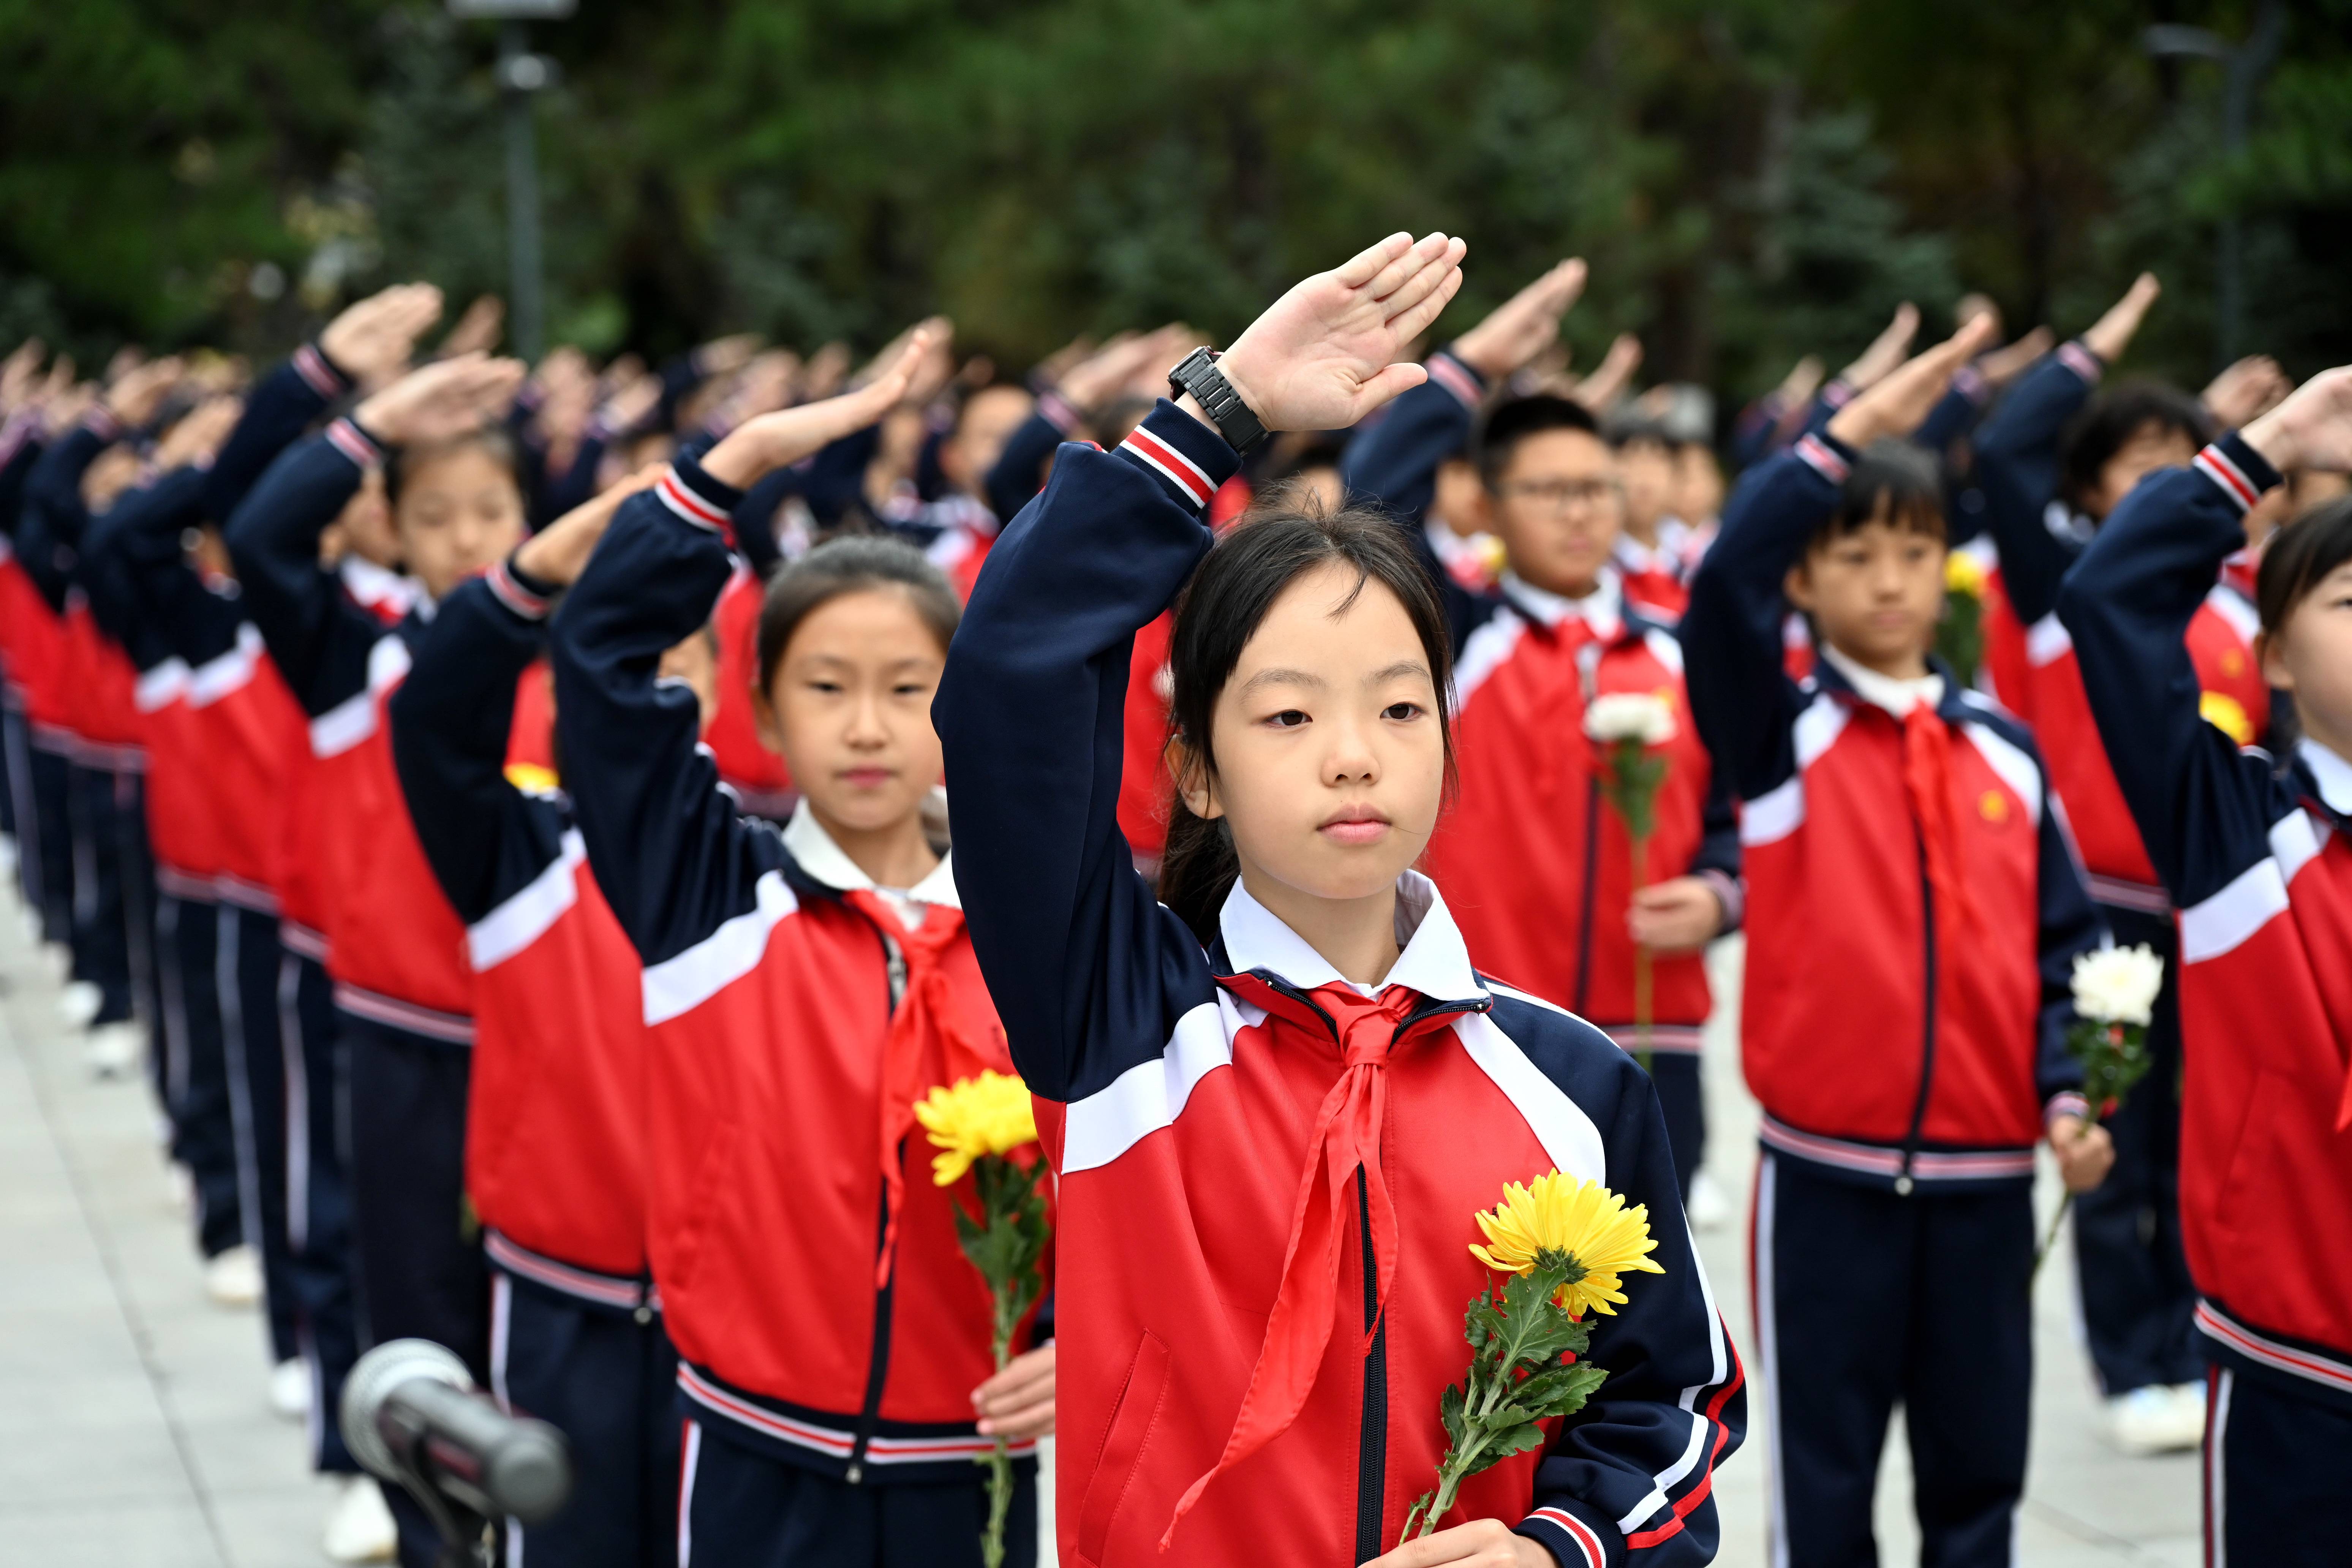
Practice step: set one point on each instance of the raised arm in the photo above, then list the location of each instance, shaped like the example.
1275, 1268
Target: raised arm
673, 858
2203, 808
1086, 967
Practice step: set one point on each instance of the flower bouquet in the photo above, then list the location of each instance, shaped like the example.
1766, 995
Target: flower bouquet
1959, 632
1628, 728
979, 1125
2115, 996
1563, 1243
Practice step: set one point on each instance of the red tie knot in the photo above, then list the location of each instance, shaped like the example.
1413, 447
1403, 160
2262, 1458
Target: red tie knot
1367, 1026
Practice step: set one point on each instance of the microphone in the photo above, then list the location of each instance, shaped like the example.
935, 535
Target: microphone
411, 1414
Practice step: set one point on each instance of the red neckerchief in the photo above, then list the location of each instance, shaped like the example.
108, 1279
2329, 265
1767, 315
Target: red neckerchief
1927, 783
1346, 1142
928, 1008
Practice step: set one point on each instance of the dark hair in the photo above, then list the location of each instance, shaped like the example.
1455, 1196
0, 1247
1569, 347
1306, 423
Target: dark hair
2298, 558
851, 563
1221, 609
1900, 476
2114, 417
402, 463
1639, 431
1513, 422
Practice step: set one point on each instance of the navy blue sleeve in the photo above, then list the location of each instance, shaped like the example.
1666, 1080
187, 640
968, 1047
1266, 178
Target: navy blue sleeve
2017, 454
450, 720
136, 547
1955, 413
1740, 692
1020, 470
1717, 859
556, 494
836, 477
49, 526
754, 517
21, 446
285, 403
1394, 461
1088, 970
672, 856
2204, 808
315, 635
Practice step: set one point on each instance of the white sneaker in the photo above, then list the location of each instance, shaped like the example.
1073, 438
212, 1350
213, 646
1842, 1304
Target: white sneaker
233, 1279
114, 1050
1709, 1209
79, 1003
359, 1524
2155, 1420
290, 1388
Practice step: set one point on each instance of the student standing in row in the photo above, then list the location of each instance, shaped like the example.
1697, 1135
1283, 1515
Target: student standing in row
2256, 858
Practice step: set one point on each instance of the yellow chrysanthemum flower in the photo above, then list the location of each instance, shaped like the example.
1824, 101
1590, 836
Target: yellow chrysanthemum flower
532, 779
1556, 1214
1964, 574
991, 1114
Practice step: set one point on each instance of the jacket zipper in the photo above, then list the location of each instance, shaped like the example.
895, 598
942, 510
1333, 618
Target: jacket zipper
1372, 1434
1903, 1182
878, 1369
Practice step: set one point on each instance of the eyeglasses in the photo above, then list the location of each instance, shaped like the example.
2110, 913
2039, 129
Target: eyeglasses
1560, 495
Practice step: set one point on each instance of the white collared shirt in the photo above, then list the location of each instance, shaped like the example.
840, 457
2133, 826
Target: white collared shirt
821, 858
1603, 609
1897, 697
1432, 960
2330, 771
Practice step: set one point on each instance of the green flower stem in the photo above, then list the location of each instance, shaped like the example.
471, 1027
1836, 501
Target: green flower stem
999, 1462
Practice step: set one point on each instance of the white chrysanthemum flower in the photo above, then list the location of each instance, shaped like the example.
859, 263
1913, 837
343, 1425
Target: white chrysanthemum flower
1629, 716
2117, 984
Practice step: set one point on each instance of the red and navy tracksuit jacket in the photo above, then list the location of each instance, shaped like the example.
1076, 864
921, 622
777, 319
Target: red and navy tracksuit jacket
2031, 658
555, 1130
1529, 832
80, 699
2257, 861
1177, 1093
395, 948
822, 1307
1914, 904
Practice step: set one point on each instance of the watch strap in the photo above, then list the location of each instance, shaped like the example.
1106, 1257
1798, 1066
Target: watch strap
1198, 374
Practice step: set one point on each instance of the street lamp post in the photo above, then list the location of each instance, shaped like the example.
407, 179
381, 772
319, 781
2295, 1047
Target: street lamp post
520, 75
2244, 66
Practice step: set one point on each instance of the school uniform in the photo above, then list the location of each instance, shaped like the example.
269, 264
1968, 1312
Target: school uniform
1915, 909
555, 1134
1536, 866
402, 995
2137, 1295
2255, 858
829, 1329
27, 638
1176, 1094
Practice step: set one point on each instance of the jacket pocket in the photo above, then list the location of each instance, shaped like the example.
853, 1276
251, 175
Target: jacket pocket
1131, 1420
709, 1189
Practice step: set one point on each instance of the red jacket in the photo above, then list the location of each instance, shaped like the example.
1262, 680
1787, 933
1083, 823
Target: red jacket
1916, 907
2258, 860
1179, 1092
756, 774
794, 1020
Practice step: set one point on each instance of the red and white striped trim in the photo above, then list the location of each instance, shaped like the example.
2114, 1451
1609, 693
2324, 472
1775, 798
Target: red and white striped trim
251, 897
1878, 1159
352, 442
1678, 1039
835, 1441
1057, 412
2080, 360
452, 1027
100, 422
2066, 1104
1188, 477
679, 499
174, 882
301, 941
2118, 893
510, 592
2325, 1371
1576, 1529
605, 1290
1456, 377
1823, 459
1838, 394
1969, 382
316, 372
2216, 465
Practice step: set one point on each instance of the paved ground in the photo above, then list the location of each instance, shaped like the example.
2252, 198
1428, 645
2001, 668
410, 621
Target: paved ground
134, 1432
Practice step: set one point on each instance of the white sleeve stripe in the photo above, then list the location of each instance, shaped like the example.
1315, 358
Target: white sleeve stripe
1150, 1095
679, 984
532, 911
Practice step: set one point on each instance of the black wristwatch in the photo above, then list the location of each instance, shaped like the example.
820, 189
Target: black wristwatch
1199, 376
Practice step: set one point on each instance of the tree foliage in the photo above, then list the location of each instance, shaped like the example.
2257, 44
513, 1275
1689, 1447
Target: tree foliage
1751, 179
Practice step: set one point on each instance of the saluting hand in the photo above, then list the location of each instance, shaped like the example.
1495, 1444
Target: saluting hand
2313, 429
1897, 404
788, 434
1324, 355
371, 340
1524, 325
446, 399
559, 552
